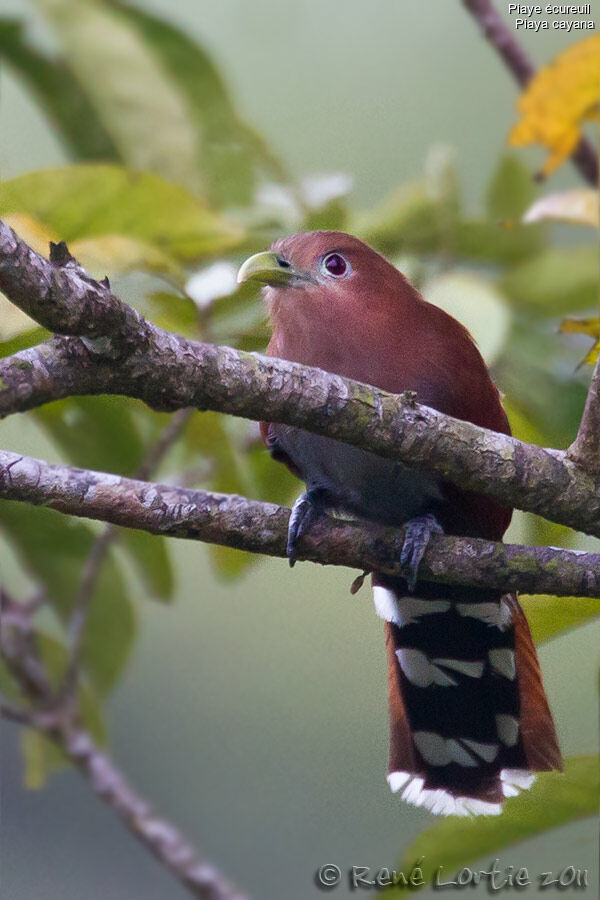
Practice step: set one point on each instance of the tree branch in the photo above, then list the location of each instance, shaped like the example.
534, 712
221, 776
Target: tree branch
100, 548
585, 449
160, 836
56, 719
262, 528
168, 372
16, 714
493, 26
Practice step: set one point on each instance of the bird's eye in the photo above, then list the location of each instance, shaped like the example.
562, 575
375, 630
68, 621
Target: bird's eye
335, 264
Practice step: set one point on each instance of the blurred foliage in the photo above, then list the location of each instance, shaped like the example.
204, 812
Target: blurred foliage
42, 756
578, 206
589, 327
128, 220
558, 100
554, 800
167, 190
549, 617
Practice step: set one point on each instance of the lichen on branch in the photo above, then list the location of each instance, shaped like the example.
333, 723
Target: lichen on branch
123, 353
262, 528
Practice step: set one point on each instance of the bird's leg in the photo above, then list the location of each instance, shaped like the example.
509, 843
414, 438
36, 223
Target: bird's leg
418, 534
307, 508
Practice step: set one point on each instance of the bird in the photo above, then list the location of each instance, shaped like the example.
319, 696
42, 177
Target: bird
470, 723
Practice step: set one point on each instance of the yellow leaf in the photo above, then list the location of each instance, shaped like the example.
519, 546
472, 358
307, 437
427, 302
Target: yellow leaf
578, 207
110, 253
558, 100
591, 358
590, 327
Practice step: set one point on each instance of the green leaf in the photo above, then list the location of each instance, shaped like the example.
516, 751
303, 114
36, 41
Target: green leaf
94, 432
42, 756
253, 340
229, 154
540, 384
413, 221
274, 481
172, 312
51, 546
497, 242
476, 303
101, 433
13, 322
409, 221
59, 94
511, 190
111, 629
120, 253
521, 425
207, 434
332, 216
41, 759
9, 688
150, 554
93, 200
23, 341
555, 799
54, 548
241, 302
419, 216
229, 562
239, 319
132, 94
550, 616
556, 281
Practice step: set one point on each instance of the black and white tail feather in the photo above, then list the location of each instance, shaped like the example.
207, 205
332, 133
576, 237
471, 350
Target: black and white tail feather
469, 721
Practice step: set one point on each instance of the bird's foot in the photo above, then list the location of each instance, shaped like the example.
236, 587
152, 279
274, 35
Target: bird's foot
418, 535
307, 508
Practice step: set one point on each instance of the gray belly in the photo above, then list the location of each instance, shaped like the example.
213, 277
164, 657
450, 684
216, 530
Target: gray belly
357, 481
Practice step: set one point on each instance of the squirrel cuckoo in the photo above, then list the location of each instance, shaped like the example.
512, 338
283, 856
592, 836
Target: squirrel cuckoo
469, 719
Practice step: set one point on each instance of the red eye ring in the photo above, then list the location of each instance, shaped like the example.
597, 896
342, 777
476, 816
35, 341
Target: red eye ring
334, 264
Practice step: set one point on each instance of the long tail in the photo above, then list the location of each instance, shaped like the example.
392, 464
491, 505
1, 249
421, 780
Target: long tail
469, 719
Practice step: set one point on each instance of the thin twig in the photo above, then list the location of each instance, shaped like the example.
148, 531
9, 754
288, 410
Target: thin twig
167, 438
78, 619
100, 548
17, 714
201, 878
20, 652
262, 528
502, 39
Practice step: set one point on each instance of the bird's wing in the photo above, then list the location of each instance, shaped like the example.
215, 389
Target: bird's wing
268, 435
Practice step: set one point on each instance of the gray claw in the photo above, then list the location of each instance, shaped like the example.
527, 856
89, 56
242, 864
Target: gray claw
418, 534
304, 512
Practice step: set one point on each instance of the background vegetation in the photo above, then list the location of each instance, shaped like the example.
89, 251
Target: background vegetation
248, 701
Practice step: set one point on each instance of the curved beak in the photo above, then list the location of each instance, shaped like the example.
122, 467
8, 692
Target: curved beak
268, 268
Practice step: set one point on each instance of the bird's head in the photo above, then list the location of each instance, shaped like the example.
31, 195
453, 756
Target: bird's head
333, 267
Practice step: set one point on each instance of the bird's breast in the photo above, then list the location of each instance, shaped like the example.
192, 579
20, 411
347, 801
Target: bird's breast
357, 481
